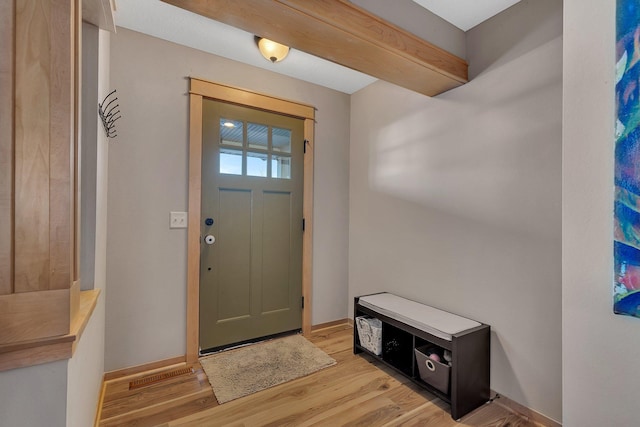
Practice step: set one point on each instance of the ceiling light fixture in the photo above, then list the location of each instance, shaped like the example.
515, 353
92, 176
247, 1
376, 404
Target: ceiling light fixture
272, 51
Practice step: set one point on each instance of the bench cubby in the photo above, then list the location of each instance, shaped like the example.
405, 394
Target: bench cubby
469, 349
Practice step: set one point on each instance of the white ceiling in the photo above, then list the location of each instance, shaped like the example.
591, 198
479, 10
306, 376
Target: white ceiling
171, 23
466, 14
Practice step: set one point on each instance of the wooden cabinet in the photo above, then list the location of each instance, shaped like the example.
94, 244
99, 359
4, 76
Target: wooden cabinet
470, 358
39, 283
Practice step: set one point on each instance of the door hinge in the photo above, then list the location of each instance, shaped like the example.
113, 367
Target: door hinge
304, 145
303, 224
302, 302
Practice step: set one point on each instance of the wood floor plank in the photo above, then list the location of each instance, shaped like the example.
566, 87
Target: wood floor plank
426, 415
334, 410
358, 390
162, 415
308, 395
140, 415
152, 395
320, 409
323, 336
494, 415
336, 343
118, 389
375, 409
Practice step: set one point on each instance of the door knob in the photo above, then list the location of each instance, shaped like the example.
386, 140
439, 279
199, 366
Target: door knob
209, 239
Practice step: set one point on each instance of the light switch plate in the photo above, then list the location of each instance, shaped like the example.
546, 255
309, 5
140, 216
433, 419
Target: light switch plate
178, 220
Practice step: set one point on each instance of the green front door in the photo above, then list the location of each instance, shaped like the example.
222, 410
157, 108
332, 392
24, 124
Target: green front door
251, 230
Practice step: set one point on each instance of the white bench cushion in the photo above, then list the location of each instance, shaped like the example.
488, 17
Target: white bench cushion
440, 323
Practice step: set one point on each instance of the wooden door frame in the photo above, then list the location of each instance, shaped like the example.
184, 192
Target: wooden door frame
199, 90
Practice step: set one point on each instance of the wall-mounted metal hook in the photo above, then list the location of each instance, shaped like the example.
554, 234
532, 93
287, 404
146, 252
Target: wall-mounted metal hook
108, 115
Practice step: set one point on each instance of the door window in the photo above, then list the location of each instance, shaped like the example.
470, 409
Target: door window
254, 149
258, 136
230, 161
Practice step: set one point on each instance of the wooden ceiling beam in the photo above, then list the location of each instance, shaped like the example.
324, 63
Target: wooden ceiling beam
341, 32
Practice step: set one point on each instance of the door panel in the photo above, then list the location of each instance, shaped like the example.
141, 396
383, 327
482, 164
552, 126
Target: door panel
234, 234
252, 181
276, 251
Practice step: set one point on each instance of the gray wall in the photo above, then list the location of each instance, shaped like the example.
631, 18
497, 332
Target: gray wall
456, 200
415, 19
85, 370
34, 396
600, 349
146, 261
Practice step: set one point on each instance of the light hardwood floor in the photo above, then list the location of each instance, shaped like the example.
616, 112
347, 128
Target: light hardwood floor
357, 391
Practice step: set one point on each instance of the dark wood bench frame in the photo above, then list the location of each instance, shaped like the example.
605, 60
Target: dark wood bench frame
470, 365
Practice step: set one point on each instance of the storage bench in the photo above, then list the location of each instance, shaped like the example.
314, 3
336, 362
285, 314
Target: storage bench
408, 325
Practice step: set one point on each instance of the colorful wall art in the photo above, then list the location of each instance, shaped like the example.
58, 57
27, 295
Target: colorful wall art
627, 160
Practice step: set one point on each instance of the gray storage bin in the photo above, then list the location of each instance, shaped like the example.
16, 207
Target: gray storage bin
431, 372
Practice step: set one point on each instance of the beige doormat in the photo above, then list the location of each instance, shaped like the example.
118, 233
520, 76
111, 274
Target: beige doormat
246, 370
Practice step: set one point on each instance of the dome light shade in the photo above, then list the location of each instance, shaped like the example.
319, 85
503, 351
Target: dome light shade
272, 51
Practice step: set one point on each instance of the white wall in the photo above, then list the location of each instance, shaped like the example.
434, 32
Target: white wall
601, 350
146, 261
456, 200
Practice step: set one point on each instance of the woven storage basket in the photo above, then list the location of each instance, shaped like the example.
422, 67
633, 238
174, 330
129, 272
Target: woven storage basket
370, 334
